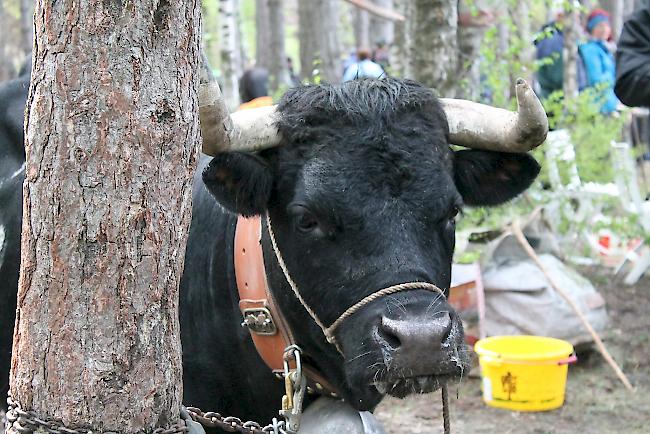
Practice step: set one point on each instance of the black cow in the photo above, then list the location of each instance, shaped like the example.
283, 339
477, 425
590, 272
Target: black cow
363, 192
13, 95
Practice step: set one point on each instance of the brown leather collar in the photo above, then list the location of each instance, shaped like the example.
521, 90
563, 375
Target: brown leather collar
268, 327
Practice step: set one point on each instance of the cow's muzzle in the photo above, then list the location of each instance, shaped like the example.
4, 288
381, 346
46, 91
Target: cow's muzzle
421, 349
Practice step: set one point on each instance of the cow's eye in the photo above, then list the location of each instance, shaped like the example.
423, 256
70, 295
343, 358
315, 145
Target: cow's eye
303, 219
453, 214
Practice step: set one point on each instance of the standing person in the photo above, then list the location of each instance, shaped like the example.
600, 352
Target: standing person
549, 43
293, 77
598, 60
633, 61
253, 89
381, 55
364, 67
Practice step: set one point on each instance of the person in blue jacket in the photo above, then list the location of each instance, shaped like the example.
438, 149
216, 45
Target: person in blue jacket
599, 62
363, 68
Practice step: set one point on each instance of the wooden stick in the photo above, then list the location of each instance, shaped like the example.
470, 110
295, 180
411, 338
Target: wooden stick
516, 230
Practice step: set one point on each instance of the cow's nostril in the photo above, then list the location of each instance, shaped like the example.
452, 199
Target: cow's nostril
388, 331
445, 326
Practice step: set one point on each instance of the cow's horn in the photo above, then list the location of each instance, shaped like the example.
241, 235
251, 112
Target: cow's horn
245, 131
479, 126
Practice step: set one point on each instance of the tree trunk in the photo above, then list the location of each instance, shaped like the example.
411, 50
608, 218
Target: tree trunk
241, 43
307, 45
112, 142
231, 53
382, 30
401, 64
329, 47
503, 42
361, 28
262, 34
278, 72
525, 56
26, 25
6, 71
318, 21
435, 50
570, 52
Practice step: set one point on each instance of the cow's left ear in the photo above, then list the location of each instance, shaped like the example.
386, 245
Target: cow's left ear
240, 182
486, 178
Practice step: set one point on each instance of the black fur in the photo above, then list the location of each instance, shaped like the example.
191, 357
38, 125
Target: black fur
240, 182
487, 178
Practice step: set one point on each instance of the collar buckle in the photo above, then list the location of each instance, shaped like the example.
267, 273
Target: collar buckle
259, 321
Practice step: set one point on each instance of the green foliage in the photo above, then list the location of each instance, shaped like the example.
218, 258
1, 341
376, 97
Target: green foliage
591, 134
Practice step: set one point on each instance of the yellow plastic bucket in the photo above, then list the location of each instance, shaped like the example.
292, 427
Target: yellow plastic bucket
524, 373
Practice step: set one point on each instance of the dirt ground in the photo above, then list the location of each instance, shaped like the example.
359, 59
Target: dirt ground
596, 401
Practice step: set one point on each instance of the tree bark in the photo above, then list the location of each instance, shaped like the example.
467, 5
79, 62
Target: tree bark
27, 25
382, 30
278, 71
231, 51
112, 142
5, 65
307, 45
401, 64
262, 34
525, 56
361, 22
318, 23
570, 52
503, 36
435, 49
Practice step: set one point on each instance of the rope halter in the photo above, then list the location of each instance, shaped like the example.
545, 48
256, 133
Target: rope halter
330, 331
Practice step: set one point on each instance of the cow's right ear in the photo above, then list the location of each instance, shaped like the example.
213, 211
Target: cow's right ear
240, 182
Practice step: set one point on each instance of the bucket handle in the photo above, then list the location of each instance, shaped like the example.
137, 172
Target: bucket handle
569, 360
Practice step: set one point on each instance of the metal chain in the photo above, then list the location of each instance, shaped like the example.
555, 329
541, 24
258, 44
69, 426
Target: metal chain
27, 422
234, 424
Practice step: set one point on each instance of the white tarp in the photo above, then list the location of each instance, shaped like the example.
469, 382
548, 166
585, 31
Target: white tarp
519, 299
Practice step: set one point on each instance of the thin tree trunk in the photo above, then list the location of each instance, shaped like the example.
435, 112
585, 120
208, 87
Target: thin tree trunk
570, 52
279, 74
361, 28
382, 30
503, 36
318, 23
26, 25
262, 34
112, 142
6, 71
329, 47
401, 64
231, 61
435, 49
526, 56
307, 15
243, 59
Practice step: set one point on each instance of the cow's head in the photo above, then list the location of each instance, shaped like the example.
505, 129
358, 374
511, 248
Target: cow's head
362, 192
